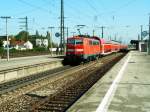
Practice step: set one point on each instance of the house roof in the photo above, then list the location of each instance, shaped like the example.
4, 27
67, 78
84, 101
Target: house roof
28, 43
19, 43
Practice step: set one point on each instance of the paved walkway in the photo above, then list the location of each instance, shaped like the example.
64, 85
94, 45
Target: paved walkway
25, 61
125, 88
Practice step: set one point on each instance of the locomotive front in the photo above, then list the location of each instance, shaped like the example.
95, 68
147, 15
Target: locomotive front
74, 50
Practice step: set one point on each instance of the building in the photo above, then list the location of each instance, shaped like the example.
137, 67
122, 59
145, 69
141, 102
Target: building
42, 42
5, 43
28, 45
22, 45
135, 44
143, 46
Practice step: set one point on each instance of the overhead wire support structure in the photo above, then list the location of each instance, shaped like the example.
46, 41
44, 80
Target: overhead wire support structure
102, 31
102, 27
141, 32
25, 25
62, 33
67, 32
6, 18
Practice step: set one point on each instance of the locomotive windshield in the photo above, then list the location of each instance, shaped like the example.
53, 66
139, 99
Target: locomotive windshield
78, 42
71, 41
75, 41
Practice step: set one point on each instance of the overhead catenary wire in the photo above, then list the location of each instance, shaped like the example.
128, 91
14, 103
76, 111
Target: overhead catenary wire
31, 5
92, 7
78, 13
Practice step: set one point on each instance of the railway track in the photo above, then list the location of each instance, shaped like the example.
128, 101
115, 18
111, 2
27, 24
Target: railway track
18, 83
62, 100
68, 85
21, 82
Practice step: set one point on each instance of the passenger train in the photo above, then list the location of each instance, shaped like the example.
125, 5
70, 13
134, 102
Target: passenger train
84, 48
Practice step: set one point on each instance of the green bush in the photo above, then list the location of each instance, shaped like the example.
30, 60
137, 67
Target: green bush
1, 49
18, 53
13, 50
1, 43
40, 49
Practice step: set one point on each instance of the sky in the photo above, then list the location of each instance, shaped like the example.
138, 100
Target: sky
121, 18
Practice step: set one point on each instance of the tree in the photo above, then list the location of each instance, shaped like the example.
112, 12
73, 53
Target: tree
48, 36
37, 34
23, 35
1, 43
12, 41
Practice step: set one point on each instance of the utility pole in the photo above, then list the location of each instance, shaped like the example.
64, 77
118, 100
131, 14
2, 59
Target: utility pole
102, 31
149, 38
102, 27
93, 33
50, 39
6, 18
67, 32
62, 36
141, 32
25, 25
138, 37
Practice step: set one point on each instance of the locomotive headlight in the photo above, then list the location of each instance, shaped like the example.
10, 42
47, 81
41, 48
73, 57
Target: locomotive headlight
70, 50
79, 50
75, 50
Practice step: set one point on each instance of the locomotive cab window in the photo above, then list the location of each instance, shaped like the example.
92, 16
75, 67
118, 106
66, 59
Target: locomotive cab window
78, 41
71, 41
75, 42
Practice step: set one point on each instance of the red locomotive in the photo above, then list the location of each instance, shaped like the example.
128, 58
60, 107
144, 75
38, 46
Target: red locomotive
85, 48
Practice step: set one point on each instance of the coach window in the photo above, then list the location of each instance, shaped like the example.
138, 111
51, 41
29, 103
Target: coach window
95, 43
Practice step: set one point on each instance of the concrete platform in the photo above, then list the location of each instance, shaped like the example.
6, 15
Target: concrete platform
22, 67
26, 61
125, 88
